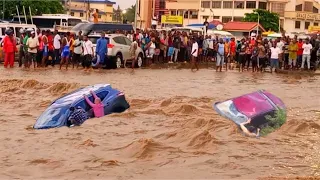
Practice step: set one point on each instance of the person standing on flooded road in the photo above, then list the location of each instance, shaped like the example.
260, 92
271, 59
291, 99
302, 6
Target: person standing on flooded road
275, 55
32, 44
9, 48
87, 52
21, 51
57, 46
194, 55
306, 56
101, 50
220, 55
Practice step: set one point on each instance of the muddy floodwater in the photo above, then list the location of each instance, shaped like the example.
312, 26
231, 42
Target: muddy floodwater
170, 132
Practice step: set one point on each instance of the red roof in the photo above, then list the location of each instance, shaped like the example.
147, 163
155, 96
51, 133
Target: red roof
241, 26
215, 22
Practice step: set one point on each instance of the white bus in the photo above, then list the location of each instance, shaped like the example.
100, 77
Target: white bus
61, 22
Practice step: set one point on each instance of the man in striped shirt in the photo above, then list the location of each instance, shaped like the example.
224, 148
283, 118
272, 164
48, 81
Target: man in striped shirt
78, 116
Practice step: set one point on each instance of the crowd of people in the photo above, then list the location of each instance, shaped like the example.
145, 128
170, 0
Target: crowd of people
252, 53
43, 49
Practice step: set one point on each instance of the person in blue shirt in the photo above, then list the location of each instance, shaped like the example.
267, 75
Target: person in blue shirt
101, 50
220, 55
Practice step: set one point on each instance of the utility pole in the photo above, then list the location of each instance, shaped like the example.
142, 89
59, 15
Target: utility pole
70, 7
136, 16
3, 4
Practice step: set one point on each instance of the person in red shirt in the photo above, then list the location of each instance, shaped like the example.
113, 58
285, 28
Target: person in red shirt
9, 48
300, 51
232, 52
50, 48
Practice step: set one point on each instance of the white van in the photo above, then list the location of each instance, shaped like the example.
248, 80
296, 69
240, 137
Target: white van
15, 28
191, 30
16, 31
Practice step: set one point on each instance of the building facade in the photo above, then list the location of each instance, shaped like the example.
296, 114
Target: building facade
295, 15
82, 8
149, 10
301, 14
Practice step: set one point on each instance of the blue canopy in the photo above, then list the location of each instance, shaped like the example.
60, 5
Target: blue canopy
211, 26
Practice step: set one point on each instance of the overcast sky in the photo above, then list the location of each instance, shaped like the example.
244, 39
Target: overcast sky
124, 4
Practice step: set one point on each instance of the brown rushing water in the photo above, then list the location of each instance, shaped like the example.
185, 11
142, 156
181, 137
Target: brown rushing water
170, 131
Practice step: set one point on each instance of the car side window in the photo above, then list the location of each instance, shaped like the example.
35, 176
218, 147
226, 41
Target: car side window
120, 40
127, 41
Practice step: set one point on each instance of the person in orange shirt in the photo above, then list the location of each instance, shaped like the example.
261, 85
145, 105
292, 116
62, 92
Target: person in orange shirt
9, 48
96, 16
227, 52
232, 52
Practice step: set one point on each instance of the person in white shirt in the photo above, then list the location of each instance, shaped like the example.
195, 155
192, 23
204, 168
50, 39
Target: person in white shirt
280, 45
307, 47
32, 44
87, 52
274, 58
194, 55
77, 51
57, 46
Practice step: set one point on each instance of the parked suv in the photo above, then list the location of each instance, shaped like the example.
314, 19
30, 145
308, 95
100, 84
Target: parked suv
118, 49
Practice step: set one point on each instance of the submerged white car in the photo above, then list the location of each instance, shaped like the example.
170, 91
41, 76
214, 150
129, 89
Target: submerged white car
118, 49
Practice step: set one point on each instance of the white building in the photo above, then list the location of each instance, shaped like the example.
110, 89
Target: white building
295, 15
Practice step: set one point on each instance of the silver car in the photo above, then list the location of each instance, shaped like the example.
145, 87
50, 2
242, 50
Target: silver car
119, 49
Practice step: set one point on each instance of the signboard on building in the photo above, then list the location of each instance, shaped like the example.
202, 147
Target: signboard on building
313, 28
311, 16
171, 19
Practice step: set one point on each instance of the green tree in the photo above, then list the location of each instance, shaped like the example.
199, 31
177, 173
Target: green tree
130, 13
38, 7
268, 20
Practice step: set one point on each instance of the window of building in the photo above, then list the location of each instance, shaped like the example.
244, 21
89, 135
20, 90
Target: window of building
237, 18
299, 7
297, 25
216, 4
316, 24
306, 25
180, 13
216, 17
250, 4
99, 16
262, 5
205, 17
205, 4
162, 4
278, 8
72, 13
226, 19
186, 15
308, 6
315, 10
239, 4
173, 12
227, 4
193, 14
81, 14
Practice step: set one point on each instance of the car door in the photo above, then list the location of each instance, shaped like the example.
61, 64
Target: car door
122, 46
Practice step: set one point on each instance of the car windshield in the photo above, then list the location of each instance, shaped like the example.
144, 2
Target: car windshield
73, 22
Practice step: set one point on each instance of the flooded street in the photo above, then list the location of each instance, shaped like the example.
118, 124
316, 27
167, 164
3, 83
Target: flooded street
170, 132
